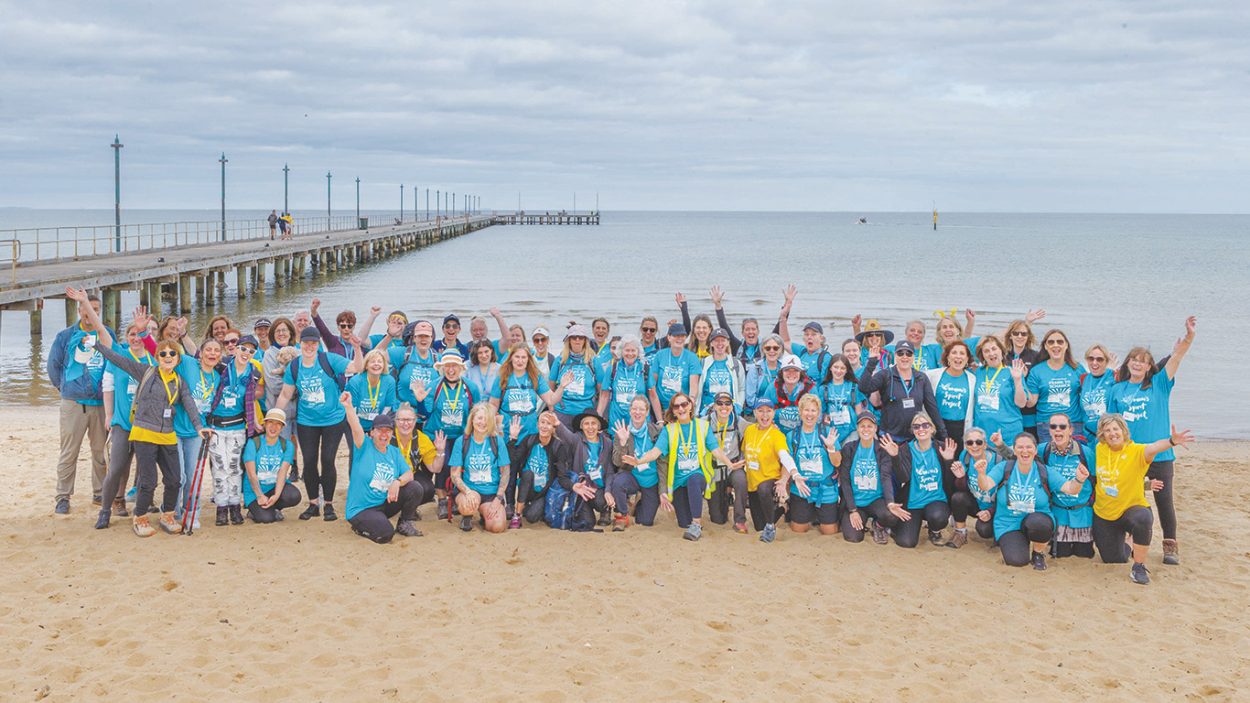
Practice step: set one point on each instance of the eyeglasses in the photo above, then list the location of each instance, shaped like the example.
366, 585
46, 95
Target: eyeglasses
650, 329
1053, 426
167, 353
681, 405
974, 442
922, 426
406, 420
724, 403
772, 348
230, 342
249, 349
1096, 358
1019, 333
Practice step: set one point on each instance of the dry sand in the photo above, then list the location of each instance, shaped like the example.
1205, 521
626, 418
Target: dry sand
310, 612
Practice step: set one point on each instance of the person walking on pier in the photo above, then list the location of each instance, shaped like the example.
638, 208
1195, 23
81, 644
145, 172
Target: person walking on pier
273, 224
76, 369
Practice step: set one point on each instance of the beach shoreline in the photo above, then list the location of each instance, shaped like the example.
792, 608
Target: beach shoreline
310, 611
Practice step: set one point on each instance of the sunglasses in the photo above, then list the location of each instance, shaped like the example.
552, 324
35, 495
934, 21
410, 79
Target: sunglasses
1096, 358
724, 403
922, 426
249, 349
451, 326
167, 353
772, 348
1053, 426
230, 342
974, 442
681, 405
650, 329
1019, 333
1056, 342
904, 353
345, 325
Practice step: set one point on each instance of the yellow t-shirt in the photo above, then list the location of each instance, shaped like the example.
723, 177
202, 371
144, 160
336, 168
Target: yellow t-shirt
139, 434
425, 449
762, 451
1121, 480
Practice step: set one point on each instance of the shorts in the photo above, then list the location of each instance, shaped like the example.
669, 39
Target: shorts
803, 511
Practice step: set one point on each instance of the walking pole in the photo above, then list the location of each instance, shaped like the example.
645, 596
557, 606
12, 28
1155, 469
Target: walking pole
192, 508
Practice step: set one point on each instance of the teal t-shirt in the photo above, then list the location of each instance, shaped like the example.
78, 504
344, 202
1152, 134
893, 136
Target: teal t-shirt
318, 393
268, 459
372, 474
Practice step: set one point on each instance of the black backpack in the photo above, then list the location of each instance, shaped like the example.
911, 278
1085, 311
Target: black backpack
339, 380
1080, 453
1038, 466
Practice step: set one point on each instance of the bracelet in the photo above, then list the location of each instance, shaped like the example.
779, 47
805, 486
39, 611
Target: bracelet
1170, 442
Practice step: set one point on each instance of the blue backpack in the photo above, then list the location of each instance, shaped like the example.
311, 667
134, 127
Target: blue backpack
561, 504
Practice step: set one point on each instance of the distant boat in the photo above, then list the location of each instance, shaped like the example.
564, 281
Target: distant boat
862, 221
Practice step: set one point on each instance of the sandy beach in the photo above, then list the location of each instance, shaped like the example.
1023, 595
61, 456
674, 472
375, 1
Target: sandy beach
308, 611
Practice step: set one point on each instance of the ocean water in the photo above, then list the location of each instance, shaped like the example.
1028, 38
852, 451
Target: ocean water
1123, 280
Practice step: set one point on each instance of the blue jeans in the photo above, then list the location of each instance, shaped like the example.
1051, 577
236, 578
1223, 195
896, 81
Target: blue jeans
188, 452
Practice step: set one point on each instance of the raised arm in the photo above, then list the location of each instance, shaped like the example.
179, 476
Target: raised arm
362, 330
353, 421
84, 306
1176, 439
718, 298
783, 320
503, 325
1182, 347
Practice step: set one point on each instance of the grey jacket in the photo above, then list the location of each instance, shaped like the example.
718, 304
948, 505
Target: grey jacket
152, 398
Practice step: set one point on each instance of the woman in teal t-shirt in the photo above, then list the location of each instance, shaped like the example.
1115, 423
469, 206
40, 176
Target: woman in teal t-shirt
267, 461
479, 471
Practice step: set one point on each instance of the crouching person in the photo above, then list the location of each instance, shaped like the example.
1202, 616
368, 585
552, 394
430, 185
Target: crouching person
267, 460
381, 481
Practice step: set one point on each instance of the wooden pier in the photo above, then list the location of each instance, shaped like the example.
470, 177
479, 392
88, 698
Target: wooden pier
194, 273
549, 218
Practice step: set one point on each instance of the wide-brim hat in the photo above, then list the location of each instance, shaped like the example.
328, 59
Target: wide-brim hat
449, 357
874, 327
577, 421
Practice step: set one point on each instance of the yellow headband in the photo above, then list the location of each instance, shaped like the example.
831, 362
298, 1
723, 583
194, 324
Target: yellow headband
940, 314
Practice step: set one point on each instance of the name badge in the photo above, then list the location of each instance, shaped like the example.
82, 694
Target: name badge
909, 403
169, 412
865, 483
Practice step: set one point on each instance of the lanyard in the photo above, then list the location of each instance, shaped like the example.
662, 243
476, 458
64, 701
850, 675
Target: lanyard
907, 386
373, 392
171, 396
454, 403
145, 360
989, 382
814, 444
685, 443
721, 429
204, 383
405, 448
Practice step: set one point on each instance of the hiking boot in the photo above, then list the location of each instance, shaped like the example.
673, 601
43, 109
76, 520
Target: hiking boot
416, 515
769, 534
119, 507
62, 506
515, 522
466, 523
620, 523
1039, 561
102, 521
97, 499
310, 512
169, 524
740, 528
328, 514
958, 539
141, 526
1171, 552
407, 529
605, 519
935, 538
442, 509
880, 535
694, 532
1140, 574
278, 516
223, 517
236, 515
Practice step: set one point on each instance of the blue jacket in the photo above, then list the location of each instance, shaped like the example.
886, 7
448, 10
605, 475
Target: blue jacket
74, 372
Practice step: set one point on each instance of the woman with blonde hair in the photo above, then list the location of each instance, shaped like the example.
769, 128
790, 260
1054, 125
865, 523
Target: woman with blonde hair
479, 471
574, 371
1120, 507
518, 391
1096, 384
1022, 346
374, 391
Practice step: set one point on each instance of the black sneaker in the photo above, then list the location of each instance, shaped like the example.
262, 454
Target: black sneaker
328, 513
935, 538
97, 500
1140, 574
605, 519
407, 529
236, 515
62, 506
466, 523
223, 517
102, 522
880, 535
442, 508
278, 516
310, 512
1039, 561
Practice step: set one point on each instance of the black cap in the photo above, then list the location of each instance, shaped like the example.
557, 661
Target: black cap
450, 317
677, 330
384, 421
865, 415
813, 325
904, 346
249, 339
310, 334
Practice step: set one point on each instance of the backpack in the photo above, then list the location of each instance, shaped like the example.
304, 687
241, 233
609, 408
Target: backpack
256, 444
646, 373
464, 449
1011, 467
468, 394
560, 506
324, 360
1080, 454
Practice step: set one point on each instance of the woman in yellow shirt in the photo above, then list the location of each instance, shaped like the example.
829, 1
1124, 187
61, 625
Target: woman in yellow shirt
765, 450
1120, 507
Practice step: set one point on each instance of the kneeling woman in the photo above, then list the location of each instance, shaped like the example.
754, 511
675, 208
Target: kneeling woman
1023, 524
536, 459
267, 462
479, 471
643, 480
426, 458
1120, 507
589, 472
968, 499
690, 445
814, 486
152, 425
381, 482
864, 472
919, 475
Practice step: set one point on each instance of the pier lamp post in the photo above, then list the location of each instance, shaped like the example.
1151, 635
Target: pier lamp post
328, 214
401, 203
117, 192
286, 204
357, 199
223, 160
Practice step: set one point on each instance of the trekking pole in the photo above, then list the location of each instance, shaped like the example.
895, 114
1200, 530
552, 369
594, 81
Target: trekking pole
192, 508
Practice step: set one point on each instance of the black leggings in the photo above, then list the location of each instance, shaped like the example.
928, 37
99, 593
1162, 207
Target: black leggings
595, 506
963, 506
937, 513
1015, 545
375, 523
532, 502
289, 498
876, 510
320, 443
763, 501
147, 457
718, 505
1109, 535
1164, 471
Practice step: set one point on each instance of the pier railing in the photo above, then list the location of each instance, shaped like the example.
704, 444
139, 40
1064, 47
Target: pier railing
53, 243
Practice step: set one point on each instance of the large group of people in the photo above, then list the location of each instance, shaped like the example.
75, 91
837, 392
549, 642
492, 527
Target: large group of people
1048, 453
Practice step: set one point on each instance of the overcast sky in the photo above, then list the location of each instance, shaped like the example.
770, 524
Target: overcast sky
779, 105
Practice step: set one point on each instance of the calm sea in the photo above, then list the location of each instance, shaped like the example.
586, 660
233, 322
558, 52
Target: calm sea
1123, 280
